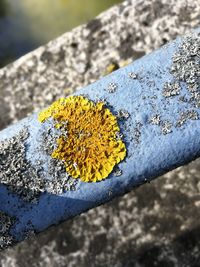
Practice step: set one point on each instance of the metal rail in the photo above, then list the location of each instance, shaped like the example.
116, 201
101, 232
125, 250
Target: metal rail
156, 101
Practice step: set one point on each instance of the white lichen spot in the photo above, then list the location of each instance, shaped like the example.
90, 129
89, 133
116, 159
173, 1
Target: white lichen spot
112, 87
155, 120
166, 127
133, 75
122, 114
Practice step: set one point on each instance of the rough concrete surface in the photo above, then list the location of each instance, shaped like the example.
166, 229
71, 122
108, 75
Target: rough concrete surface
156, 224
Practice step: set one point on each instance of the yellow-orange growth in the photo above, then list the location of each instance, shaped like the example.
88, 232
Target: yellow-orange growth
90, 150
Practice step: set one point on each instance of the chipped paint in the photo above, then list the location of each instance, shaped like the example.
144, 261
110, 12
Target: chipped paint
91, 148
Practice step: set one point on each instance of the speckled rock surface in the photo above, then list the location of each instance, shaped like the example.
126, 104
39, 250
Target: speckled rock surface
155, 225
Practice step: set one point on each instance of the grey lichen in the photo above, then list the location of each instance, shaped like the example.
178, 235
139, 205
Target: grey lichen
117, 171
137, 132
26, 180
122, 114
112, 87
186, 65
155, 120
166, 127
185, 68
187, 115
171, 89
102, 100
195, 99
133, 75
119, 136
16, 172
60, 180
49, 137
5, 224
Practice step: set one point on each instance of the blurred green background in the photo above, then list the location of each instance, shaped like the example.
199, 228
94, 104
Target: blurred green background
27, 24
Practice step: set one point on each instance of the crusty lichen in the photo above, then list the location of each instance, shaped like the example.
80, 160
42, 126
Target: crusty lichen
87, 144
27, 180
16, 171
5, 224
184, 86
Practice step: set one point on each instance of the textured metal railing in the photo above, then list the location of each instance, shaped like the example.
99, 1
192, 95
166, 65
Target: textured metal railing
156, 103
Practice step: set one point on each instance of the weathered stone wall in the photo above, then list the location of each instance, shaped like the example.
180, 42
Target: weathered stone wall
155, 225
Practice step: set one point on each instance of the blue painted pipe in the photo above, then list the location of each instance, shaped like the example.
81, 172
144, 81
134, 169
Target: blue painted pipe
157, 101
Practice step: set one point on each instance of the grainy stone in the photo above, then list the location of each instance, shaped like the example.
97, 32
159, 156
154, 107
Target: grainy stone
59, 68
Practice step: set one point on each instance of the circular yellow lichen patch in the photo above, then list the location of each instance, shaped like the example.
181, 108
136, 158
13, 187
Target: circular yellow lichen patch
89, 148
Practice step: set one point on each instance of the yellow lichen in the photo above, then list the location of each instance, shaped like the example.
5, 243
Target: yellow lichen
111, 67
90, 150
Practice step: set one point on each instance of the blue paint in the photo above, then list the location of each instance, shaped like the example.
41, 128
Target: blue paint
154, 155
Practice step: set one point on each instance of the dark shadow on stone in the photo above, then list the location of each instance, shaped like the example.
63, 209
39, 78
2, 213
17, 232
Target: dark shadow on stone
182, 251
51, 209
126, 51
4, 115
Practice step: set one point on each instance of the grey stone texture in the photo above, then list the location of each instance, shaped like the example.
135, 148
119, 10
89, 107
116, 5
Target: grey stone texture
155, 225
